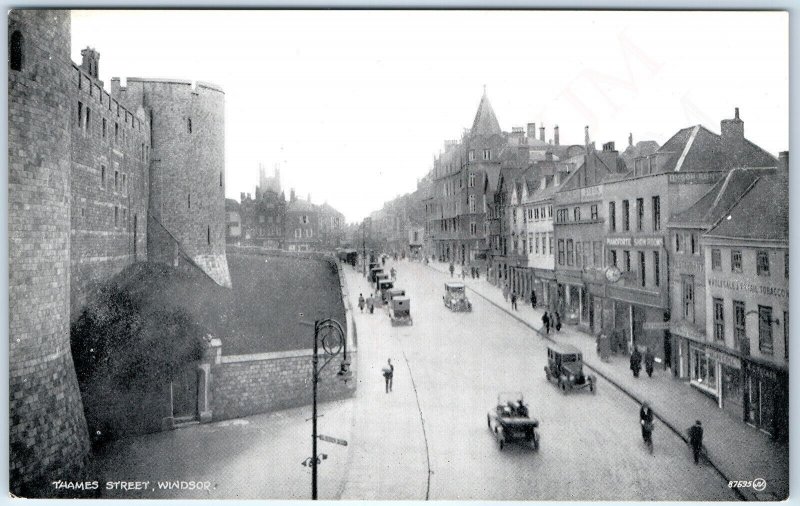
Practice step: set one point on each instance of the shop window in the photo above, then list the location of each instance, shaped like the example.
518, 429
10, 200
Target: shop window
762, 263
719, 319
16, 50
736, 261
703, 369
716, 260
765, 329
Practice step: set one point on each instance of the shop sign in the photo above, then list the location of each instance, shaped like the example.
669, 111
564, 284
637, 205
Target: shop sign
694, 177
591, 192
655, 326
638, 242
762, 372
691, 264
741, 286
724, 358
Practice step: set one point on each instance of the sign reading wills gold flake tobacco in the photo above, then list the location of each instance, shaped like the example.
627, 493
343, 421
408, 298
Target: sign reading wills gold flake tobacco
741, 286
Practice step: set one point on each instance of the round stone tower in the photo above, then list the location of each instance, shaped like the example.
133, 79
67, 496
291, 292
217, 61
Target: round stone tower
187, 179
48, 435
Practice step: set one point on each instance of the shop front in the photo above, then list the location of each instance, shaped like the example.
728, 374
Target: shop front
765, 398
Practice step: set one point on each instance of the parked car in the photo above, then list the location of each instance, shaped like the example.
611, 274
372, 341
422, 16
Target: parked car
400, 310
455, 297
511, 421
374, 272
565, 365
384, 285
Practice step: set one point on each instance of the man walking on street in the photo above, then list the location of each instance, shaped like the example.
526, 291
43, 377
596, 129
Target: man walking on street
514, 300
361, 302
558, 322
533, 299
505, 292
452, 270
370, 304
696, 440
649, 362
636, 362
388, 374
546, 322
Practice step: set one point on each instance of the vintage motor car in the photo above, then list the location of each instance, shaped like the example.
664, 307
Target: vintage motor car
381, 276
373, 273
512, 421
400, 310
565, 365
455, 297
383, 287
395, 292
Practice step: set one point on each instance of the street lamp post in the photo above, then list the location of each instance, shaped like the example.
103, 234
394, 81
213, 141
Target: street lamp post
330, 333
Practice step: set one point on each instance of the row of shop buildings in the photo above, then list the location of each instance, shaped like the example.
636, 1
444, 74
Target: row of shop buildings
271, 221
680, 248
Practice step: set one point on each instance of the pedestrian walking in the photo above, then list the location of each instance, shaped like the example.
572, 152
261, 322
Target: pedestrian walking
370, 304
505, 292
546, 322
388, 374
636, 362
696, 440
393, 272
452, 269
649, 362
477, 273
514, 300
646, 421
533, 299
558, 322
361, 302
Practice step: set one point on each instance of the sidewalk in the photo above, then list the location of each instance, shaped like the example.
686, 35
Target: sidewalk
736, 450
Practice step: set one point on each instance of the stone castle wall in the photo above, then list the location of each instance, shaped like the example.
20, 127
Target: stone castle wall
109, 186
47, 429
187, 171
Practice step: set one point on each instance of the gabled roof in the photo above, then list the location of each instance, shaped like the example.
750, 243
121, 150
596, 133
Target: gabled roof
697, 149
718, 200
485, 123
762, 213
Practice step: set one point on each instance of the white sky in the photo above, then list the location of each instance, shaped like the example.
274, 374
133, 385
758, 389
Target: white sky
353, 105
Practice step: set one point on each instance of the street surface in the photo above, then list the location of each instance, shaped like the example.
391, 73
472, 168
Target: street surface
591, 446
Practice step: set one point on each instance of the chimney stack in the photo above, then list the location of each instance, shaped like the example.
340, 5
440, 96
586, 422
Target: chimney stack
531, 130
733, 134
586, 135
609, 146
783, 161
541, 133
555, 135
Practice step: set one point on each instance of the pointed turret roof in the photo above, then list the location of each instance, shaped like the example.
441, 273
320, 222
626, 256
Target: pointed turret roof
485, 121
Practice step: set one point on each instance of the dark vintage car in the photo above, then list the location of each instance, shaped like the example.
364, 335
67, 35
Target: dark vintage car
383, 288
565, 365
511, 421
400, 310
455, 297
374, 272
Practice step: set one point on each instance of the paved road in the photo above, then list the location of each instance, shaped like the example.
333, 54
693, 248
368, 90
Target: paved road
591, 444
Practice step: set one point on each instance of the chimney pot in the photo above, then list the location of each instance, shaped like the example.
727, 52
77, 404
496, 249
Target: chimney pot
736, 113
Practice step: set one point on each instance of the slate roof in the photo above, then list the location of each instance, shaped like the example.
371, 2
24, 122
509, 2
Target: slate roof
712, 206
485, 123
697, 149
762, 213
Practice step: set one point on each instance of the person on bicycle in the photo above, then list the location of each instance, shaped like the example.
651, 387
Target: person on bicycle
646, 421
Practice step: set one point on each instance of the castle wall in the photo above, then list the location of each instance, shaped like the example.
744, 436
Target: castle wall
109, 185
47, 429
187, 180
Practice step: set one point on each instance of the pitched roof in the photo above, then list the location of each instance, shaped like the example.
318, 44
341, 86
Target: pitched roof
485, 121
697, 149
761, 213
712, 206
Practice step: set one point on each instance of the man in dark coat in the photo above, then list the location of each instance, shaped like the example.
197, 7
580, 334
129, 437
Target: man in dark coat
558, 322
514, 300
636, 362
533, 299
546, 322
452, 269
649, 362
696, 439
646, 421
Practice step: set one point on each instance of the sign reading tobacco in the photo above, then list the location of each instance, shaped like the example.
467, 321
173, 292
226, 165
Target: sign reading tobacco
741, 286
